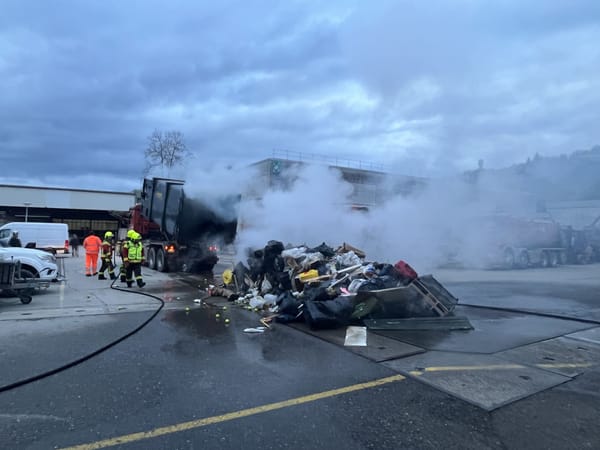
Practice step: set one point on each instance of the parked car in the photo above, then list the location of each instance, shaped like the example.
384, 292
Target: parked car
34, 263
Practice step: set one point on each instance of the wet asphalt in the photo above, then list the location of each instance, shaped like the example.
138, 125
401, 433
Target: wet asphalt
189, 365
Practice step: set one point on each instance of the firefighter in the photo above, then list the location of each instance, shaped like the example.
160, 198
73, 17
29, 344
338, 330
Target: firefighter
135, 257
106, 255
122, 250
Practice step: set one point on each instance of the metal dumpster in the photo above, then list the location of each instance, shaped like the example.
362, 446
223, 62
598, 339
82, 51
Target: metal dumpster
423, 297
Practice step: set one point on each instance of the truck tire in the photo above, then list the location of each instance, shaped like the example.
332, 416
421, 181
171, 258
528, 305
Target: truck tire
545, 259
523, 259
152, 258
509, 258
161, 261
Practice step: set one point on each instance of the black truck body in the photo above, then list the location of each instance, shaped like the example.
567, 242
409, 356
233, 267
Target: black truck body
179, 233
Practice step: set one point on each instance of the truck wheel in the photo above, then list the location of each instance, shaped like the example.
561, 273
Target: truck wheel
152, 258
545, 259
161, 261
509, 258
523, 259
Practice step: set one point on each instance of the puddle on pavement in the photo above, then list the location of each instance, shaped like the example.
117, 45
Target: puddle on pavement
201, 322
195, 327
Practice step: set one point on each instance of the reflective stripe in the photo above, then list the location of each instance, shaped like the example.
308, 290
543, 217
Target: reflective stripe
134, 252
106, 249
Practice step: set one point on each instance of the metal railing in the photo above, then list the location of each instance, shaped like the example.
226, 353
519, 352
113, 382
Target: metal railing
330, 160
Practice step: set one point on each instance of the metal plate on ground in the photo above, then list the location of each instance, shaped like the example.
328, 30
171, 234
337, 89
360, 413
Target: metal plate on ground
483, 380
420, 323
592, 335
564, 356
494, 331
378, 348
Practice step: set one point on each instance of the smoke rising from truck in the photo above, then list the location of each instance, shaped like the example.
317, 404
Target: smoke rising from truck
455, 219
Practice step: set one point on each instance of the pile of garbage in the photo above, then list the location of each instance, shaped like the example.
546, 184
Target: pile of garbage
328, 288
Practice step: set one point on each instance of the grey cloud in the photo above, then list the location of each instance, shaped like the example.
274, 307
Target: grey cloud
447, 82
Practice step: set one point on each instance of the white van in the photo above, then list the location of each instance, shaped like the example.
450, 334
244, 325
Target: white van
53, 237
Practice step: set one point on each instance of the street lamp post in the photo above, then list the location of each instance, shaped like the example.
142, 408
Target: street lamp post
27, 204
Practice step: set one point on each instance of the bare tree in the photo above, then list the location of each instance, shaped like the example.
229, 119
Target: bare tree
165, 150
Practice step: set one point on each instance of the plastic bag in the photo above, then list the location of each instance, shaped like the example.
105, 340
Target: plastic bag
328, 314
348, 259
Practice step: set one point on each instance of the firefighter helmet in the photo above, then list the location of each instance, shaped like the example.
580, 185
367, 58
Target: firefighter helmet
131, 234
108, 235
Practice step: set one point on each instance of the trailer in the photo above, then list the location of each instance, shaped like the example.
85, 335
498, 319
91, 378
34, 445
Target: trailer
12, 280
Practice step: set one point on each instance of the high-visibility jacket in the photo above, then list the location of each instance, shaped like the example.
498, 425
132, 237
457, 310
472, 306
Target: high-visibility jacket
106, 250
135, 252
92, 244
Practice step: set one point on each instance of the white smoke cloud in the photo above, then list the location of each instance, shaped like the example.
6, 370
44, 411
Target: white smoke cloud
423, 228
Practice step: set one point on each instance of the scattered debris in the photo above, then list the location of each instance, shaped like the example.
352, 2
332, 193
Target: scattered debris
255, 330
330, 288
356, 336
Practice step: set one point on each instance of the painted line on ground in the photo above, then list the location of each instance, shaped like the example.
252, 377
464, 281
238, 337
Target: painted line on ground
184, 426
419, 372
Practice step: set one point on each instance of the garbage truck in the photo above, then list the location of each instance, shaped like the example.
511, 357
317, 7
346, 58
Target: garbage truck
179, 233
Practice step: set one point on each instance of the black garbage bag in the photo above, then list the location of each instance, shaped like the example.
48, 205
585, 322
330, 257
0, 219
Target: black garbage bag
272, 260
277, 264
372, 284
240, 271
329, 313
316, 294
386, 270
323, 249
289, 308
282, 281
256, 267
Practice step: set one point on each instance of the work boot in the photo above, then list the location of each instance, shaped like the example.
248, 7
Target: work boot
101, 277
112, 277
88, 274
141, 284
129, 284
95, 273
122, 279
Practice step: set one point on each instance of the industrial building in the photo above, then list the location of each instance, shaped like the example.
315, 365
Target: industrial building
371, 183
80, 209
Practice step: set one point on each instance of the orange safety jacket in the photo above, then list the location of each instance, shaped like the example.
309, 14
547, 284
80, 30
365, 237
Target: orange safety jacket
92, 244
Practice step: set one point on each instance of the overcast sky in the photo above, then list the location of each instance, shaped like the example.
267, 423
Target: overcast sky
425, 87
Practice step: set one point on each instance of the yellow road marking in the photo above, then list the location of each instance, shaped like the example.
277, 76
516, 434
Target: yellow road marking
420, 372
563, 365
128, 438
